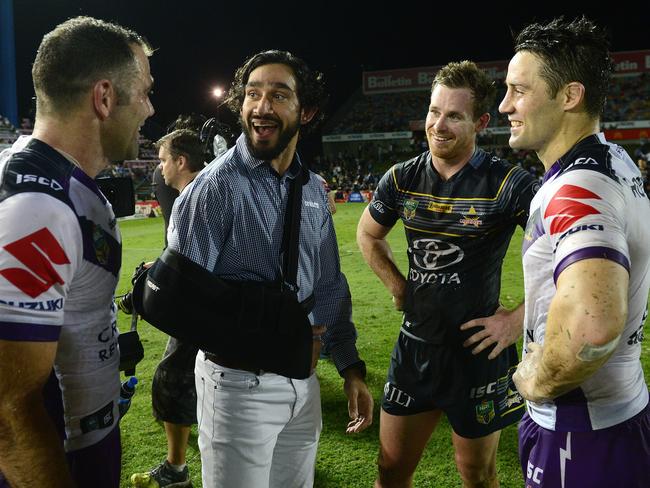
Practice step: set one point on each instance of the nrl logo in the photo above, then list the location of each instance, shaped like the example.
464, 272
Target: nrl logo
485, 412
472, 218
102, 249
409, 209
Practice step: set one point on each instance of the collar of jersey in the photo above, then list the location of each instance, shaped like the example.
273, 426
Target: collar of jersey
567, 158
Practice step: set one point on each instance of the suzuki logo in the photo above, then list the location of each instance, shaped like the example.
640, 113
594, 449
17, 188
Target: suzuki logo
37, 251
432, 254
566, 207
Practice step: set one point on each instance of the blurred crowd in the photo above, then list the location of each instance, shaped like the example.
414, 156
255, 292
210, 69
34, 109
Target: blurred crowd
389, 112
361, 165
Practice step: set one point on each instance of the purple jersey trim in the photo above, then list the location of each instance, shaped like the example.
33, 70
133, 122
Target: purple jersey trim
13, 331
89, 183
589, 253
553, 170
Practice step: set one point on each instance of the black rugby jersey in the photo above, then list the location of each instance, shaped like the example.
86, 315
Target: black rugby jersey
458, 232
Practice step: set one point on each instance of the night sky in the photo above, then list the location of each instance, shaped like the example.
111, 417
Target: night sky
199, 44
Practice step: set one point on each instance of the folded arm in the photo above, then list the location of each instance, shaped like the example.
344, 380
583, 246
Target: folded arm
585, 321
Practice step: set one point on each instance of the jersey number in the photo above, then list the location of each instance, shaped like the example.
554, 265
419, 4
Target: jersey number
37, 251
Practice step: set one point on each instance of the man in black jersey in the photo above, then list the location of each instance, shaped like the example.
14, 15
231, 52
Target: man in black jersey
459, 206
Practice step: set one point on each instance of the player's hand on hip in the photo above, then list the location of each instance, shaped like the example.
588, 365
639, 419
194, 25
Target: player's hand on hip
501, 330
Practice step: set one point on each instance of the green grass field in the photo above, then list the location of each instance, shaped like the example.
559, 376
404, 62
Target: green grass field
343, 461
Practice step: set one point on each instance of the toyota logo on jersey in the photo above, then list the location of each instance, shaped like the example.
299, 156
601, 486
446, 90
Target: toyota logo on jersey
433, 254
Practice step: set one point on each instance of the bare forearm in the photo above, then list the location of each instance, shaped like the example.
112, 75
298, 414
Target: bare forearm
547, 374
585, 320
379, 256
569, 357
32, 453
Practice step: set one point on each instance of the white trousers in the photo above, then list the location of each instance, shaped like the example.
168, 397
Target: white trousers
256, 431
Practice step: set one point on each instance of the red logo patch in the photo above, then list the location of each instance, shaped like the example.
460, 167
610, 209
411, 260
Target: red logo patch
565, 207
37, 251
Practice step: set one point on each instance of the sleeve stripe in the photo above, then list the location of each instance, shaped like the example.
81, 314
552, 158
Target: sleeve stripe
14, 331
590, 253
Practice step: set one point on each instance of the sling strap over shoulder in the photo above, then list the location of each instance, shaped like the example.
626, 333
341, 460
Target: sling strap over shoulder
257, 322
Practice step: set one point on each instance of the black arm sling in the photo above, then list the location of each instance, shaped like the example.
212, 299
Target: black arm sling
256, 322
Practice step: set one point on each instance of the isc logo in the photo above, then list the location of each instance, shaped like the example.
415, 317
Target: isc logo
41, 180
482, 390
533, 473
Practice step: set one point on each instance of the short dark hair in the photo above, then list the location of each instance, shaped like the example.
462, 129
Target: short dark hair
466, 74
184, 142
79, 52
310, 84
571, 51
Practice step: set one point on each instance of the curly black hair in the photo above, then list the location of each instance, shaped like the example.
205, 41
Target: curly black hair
310, 84
571, 51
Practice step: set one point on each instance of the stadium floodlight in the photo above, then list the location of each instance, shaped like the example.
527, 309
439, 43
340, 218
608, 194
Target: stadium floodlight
218, 93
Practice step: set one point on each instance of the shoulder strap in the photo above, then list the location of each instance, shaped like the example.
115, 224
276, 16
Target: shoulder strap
291, 237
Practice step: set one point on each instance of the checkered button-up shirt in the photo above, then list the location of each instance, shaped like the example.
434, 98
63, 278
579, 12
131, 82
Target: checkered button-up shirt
230, 220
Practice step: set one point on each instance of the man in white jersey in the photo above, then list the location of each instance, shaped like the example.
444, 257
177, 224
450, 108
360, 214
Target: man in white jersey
60, 255
586, 269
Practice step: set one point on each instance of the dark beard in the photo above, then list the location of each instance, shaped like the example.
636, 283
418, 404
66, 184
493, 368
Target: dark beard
270, 152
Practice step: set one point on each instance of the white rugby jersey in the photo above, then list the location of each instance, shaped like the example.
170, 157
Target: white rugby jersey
60, 256
591, 205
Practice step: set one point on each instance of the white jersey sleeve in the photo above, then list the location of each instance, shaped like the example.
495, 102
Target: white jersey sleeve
40, 246
581, 216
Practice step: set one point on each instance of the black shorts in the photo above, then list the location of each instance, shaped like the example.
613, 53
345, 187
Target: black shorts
173, 391
477, 394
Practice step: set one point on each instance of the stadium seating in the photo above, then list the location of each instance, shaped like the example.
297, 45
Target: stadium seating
388, 112
629, 100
